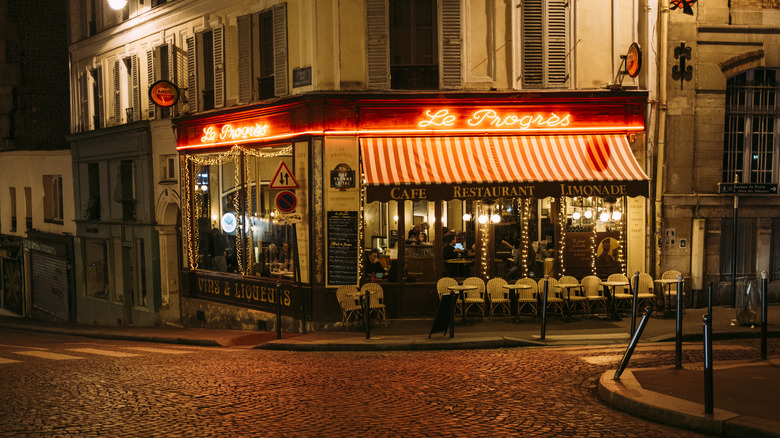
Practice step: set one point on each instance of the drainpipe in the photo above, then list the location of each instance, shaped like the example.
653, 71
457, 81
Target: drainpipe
661, 139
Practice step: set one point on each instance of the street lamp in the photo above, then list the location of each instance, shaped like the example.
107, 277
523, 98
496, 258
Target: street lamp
117, 4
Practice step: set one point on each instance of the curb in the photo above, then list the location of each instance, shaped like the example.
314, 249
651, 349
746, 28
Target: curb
116, 336
384, 345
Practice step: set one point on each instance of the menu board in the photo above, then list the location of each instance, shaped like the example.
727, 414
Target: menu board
578, 254
342, 247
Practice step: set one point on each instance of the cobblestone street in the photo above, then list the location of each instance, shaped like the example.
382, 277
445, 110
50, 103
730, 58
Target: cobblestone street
56, 385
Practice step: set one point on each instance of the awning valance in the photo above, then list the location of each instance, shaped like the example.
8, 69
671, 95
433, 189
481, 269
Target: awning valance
492, 167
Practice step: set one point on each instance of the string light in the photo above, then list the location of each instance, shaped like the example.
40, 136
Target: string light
524, 219
562, 216
620, 225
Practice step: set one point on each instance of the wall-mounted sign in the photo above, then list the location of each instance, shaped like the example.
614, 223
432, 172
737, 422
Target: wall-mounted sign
301, 77
283, 178
164, 93
229, 222
286, 201
634, 60
747, 189
490, 118
342, 177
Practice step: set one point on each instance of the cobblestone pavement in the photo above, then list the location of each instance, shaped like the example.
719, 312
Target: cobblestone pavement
52, 385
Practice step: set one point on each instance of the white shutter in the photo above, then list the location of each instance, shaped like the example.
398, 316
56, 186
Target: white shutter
451, 44
83, 89
219, 67
101, 112
150, 79
192, 77
556, 43
280, 49
136, 88
117, 95
378, 46
244, 28
533, 43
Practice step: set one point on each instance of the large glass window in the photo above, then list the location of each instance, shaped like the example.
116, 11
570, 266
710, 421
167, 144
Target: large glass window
751, 131
414, 59
238, 227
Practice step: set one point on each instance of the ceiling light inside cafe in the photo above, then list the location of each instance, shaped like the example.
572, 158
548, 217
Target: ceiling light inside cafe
483, 218
575, 215
588, 214
495, 218
466, 217
604, 216
616, 215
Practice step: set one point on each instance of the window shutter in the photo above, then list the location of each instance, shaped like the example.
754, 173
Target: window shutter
83, 87
533, 43
48, 201
136, 88
451, 43
244, 28
280, 49
117, 96
192, 78
150, 78
556, 43
219, 67
101, 110
378, 47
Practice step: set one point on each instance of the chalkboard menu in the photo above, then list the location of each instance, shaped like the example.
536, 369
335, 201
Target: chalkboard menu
342, 247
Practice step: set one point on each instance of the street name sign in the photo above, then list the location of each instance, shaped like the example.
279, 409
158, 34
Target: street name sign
747, 188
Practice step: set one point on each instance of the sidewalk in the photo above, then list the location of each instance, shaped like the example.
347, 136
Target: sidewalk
745, 392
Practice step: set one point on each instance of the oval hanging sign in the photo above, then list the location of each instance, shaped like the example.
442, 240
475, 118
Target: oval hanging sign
164, 93
634, 60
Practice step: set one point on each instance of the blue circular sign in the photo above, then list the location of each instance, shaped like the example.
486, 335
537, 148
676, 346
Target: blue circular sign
286, 201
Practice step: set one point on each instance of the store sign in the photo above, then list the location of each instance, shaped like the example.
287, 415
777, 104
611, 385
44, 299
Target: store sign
489, 118
232, 133
747, 189
246, 292
164, 93
634, 60
342, 177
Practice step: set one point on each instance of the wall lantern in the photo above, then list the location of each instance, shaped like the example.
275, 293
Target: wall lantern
117, 4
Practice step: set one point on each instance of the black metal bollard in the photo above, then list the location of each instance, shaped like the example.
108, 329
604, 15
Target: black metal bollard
452, 314
278, 310
367, 314
632, 343
709, 298
678, 325
708, 405
763, 314
544, 306
634, 303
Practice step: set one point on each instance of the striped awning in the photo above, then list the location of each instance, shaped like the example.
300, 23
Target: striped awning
493, 167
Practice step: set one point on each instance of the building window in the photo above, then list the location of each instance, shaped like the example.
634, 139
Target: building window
414, 58
52, 199
544, 29
12, 198
28, 219
262, 54
205, 70
751, 131
96, 98
92, 206
746, 247
95, 259
125, 191
168, 168
161, 65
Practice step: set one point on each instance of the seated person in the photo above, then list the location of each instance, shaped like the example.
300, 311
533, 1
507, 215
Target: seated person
448, 253
374, 266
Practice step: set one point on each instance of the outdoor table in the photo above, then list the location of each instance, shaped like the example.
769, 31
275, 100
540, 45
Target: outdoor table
461, 289
610, 286
666, 284
568, 286
513, 288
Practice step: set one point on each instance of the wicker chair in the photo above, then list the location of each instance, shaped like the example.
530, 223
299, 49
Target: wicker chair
499, 296
646, 290
349, 302
622, 296
443, 284
670, 290
527, 297
376, 299
475, 297
554, 300
594, 293
576, 297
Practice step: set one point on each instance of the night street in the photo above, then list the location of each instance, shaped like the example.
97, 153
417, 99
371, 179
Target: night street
56, 385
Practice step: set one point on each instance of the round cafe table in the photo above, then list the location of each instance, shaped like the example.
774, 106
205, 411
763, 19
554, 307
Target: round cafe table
667, 283
568, 286
609, 287
514, 299
461, 289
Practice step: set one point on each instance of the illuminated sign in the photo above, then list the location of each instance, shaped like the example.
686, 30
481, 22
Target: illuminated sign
491, 119
229, 132
229, 222
164, 93
634, 60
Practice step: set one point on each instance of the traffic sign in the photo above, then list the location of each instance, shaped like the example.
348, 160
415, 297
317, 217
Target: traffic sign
747, 188
286, 201
283, 178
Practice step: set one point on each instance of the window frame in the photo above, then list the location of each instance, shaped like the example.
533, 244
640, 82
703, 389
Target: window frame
52, 199
548, 44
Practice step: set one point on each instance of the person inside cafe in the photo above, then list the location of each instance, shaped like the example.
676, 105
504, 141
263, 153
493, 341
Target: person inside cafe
516, 262
449, 253
606, 260
285, 257
374, 268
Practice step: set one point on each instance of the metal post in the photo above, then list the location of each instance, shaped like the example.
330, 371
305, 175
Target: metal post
678, 326
735, 230
544, 306
708, 408
634, 304
367, 314
632, 343
452, 314
278, 310
764, 281
709, 298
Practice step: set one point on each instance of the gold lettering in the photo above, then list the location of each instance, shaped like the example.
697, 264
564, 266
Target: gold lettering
287, 299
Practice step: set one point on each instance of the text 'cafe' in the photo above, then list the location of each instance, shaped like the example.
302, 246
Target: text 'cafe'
291, 197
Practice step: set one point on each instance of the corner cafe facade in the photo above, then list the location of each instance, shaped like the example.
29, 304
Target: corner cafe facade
298, 191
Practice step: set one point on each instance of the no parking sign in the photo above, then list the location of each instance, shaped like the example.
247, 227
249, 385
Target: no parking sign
286, 201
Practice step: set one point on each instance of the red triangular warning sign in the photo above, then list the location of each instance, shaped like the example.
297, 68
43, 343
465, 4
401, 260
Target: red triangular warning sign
283, 178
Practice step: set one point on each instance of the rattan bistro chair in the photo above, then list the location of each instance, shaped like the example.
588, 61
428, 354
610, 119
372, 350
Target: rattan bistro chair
498, 295
349, 302
475, 297
376, 298
645, 290
594, 293
622, 296
670, 290
443, 284
575, 297
527, 297
554, 300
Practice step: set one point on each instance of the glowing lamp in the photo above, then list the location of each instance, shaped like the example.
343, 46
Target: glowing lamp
117, 4
616, 215
483, 218
466, 217
588, 214
495, 218
575, 215
604, 216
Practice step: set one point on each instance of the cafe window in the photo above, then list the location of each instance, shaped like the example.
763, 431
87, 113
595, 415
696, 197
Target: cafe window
238, 227
52, 199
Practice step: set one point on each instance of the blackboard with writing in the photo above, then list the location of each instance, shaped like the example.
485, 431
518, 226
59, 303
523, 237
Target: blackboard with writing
342, 247
579, 253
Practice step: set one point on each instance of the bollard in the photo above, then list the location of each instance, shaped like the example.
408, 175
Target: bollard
709, 298
544, 306
634, 303
278, 310
632, 343
452, 314
367, 314
678, 325
708, 405
763, 314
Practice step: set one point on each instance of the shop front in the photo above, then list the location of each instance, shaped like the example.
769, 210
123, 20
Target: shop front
329, 190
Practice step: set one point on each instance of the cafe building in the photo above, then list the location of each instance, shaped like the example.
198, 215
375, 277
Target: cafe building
284, 201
